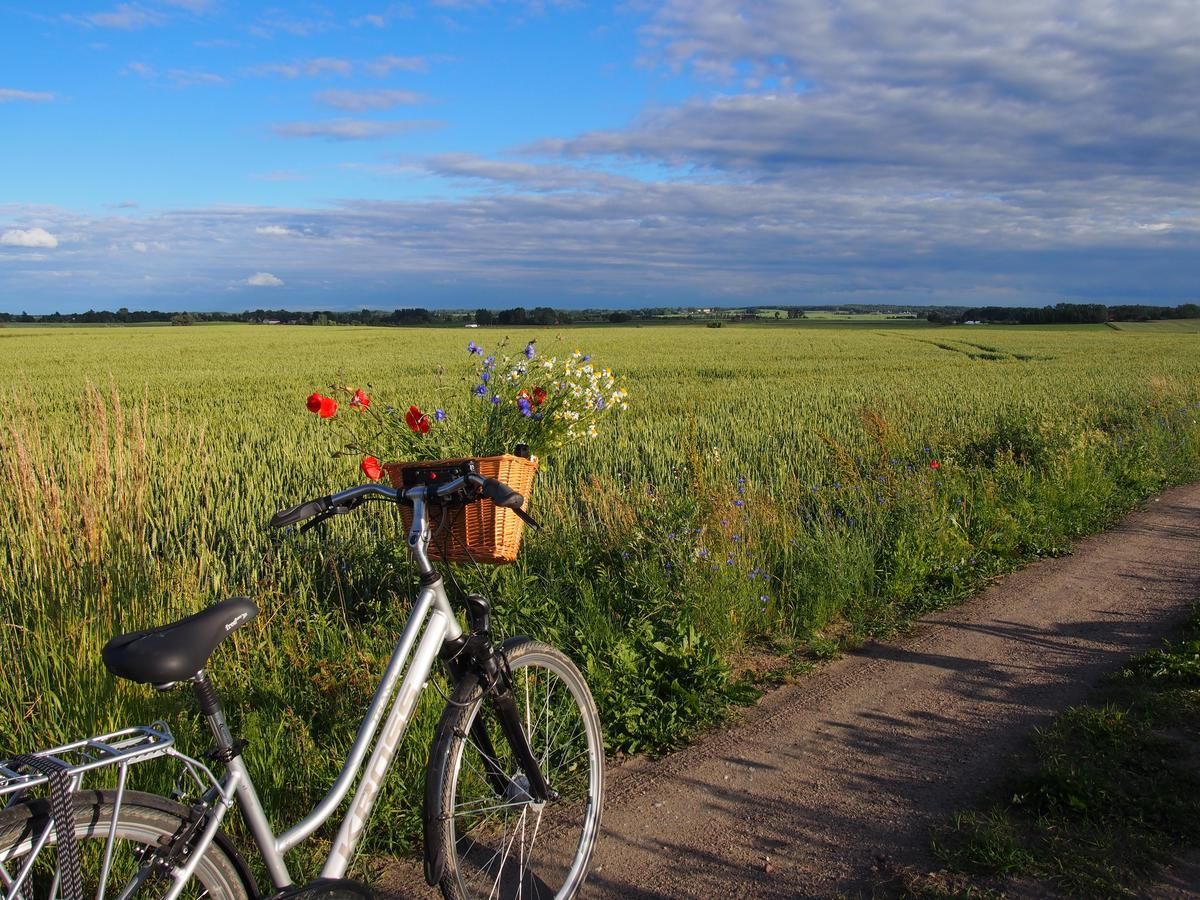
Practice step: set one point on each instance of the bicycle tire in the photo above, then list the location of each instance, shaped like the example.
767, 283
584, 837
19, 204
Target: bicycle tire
145, 823
471, 832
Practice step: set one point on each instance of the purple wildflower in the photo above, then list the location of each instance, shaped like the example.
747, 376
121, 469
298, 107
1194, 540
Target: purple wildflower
439, 415
525, 406
480, 390
529, 350
495, 400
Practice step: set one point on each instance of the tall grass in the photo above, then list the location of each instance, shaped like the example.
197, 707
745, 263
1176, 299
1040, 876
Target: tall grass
766, 482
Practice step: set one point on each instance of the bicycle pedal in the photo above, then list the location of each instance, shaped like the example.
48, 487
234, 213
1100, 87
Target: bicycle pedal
326, 889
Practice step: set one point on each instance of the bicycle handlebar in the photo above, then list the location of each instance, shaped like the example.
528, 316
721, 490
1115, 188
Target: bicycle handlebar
467, 488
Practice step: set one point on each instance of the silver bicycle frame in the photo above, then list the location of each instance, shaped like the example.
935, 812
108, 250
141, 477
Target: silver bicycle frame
430, 623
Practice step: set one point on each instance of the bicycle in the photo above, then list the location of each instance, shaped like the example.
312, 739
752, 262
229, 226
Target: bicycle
514, 786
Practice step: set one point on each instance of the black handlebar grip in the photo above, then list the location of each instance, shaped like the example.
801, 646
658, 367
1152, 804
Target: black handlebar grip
300, 512
501, 494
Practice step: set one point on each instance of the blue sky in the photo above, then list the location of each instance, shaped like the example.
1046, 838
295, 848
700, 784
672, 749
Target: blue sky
200, 154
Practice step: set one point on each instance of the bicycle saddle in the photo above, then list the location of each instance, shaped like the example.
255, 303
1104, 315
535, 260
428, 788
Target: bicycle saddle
177, 651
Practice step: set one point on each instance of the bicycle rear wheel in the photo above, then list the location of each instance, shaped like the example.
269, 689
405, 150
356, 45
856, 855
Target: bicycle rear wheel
147, 824
482, 826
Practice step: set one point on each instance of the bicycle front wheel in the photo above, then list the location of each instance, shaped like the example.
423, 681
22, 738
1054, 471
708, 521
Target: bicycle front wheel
140, 862
490, 838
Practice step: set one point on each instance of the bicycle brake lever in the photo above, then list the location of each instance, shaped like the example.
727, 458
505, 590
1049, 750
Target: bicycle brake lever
527, 519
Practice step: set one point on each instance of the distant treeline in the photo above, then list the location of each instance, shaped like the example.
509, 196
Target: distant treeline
1069, 314
541, 315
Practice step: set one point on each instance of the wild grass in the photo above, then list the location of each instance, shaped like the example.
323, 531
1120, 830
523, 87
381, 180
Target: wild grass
809, 486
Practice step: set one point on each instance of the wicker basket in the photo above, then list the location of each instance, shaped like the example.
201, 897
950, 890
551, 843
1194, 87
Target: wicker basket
478, 532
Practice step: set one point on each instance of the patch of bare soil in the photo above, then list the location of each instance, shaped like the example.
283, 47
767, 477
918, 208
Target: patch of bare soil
827, 783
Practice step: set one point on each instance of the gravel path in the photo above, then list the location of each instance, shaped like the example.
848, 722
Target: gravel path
857, 761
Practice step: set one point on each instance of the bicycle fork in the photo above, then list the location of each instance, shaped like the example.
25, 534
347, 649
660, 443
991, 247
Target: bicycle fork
494, 671
473, 652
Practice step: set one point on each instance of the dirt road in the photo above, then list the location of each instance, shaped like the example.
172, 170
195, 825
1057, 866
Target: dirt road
862, 757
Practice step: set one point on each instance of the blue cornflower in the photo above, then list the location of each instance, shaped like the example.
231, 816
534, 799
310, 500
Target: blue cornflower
529, 350
439, 415
585, 359
525, 406
489, 362
537, 417
739, 502
472, 347
485, 377
495, 400
599, 403
480, 390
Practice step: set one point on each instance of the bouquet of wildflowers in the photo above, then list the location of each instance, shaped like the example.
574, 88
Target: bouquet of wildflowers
505, 403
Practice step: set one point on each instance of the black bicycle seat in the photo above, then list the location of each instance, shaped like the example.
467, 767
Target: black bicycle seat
177, 651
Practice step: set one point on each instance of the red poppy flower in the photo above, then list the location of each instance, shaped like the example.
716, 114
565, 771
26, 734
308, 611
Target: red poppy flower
328, 408
360, 401
371, 468
539, 396
417, 420
935, 465
314, 402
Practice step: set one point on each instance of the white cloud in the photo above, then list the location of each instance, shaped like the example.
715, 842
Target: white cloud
188, 78
140, 69
29, 237
350, 129
384, 65
274, 229
11, 95
1155, 226
357, 101
307, 67
263, 279
280, 175
125, 17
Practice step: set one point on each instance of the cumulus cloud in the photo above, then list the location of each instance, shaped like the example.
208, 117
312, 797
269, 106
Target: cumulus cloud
12, 95
360, 101
29, 237
350, 129
263, 279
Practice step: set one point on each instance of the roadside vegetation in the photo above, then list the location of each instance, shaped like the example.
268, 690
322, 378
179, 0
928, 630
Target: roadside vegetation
1106, 794
770, 490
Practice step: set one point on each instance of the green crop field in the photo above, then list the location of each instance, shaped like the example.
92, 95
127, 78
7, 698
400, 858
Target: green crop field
770, 488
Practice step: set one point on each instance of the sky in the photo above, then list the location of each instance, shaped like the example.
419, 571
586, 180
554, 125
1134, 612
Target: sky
206, 154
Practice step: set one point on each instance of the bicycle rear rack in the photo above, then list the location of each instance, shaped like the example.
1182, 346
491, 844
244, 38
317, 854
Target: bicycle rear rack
121, 748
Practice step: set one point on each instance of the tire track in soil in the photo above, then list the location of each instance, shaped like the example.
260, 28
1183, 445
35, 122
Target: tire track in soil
801, 796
